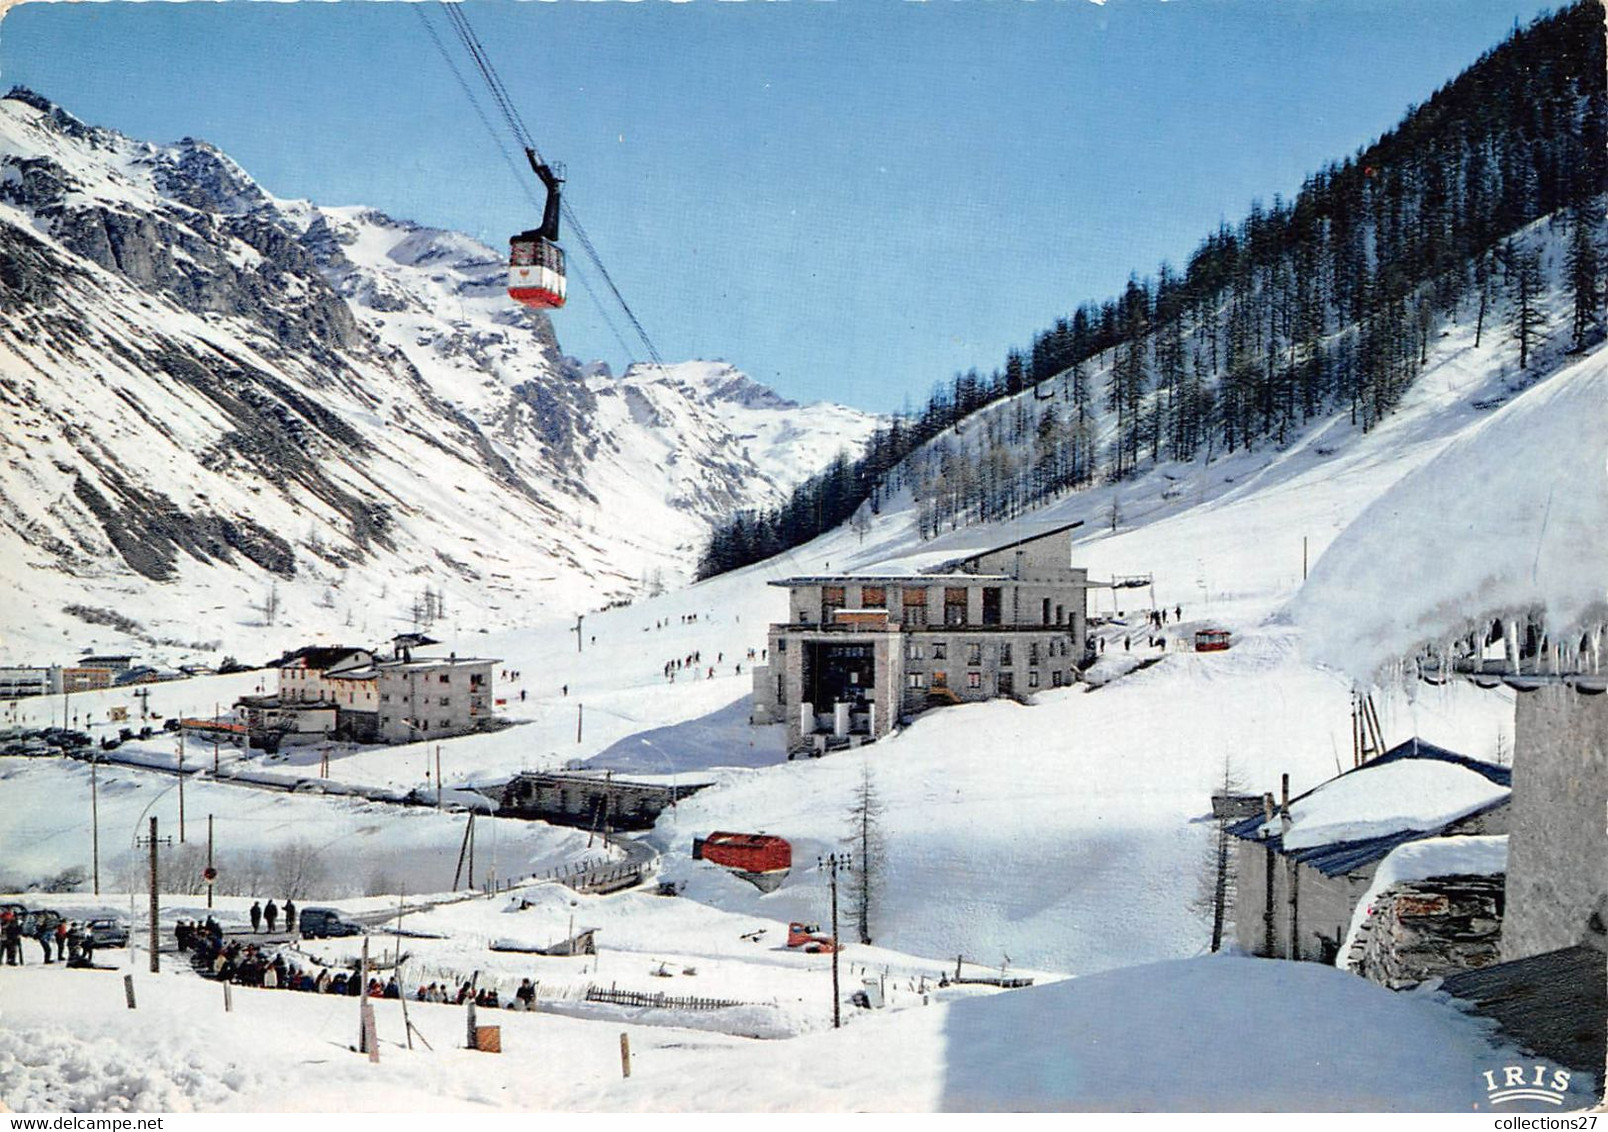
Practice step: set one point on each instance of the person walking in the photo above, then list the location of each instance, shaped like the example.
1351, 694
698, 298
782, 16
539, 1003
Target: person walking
256, 916
271, 914
11, 938
290, 915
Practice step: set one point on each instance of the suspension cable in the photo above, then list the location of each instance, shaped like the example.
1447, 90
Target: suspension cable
476, 50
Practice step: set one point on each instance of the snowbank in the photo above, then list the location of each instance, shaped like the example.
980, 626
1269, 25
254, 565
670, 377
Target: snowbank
1512, 517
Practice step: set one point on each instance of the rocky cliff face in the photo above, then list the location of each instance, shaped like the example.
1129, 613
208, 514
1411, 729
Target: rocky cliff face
207, 393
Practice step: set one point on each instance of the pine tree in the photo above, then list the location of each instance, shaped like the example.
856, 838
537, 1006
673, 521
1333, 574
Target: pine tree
1525, 317
1583, 271
864, 883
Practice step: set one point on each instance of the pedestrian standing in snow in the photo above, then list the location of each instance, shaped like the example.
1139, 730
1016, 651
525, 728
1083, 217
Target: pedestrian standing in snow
271, 914
44, 935
290, 915
256, 916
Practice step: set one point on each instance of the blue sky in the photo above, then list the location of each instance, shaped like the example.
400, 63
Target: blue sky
848, 200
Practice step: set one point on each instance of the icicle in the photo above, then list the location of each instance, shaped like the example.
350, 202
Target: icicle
1510, 645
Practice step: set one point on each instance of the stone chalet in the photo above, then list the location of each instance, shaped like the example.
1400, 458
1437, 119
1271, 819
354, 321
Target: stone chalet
860, 652
1302, 866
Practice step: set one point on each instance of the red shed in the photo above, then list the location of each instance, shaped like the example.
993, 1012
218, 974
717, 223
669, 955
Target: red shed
756, 857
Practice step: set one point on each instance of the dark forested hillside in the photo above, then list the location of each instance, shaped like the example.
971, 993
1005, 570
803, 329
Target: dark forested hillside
1323, 303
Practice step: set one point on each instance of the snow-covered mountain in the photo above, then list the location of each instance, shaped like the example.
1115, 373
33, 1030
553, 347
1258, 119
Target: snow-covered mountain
221, 409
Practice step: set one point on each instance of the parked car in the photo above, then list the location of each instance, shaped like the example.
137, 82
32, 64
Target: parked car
40, 919
321, 923
107, 933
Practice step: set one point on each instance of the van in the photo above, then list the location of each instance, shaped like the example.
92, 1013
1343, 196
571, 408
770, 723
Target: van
321, 923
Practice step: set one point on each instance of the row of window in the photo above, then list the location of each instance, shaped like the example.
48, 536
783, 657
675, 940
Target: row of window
975, 653
974, 680
420, 724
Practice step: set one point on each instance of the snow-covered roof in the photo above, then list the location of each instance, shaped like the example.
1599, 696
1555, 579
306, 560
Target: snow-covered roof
1365, 813
1511, 519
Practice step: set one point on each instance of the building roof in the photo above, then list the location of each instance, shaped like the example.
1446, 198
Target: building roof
1551, 1004
888, 579
427, 663
1352, 821
319, 657
976, 554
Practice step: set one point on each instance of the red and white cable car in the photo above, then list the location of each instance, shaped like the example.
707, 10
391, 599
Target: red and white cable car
535, 261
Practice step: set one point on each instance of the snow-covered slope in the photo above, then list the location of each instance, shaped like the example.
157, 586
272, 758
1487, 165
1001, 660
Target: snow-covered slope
208, 395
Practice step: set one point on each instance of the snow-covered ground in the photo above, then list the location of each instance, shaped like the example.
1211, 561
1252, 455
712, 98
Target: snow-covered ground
1209, 1034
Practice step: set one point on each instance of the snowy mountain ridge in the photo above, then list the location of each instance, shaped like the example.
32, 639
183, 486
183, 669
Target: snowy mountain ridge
216, 400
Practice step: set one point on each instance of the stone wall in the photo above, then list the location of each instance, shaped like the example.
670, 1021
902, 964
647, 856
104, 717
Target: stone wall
1427, 928
1558, 848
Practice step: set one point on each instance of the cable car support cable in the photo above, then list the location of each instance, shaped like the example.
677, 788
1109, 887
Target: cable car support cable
477, 52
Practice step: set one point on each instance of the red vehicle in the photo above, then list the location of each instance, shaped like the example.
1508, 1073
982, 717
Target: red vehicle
758, 858
1211, 640
808, 937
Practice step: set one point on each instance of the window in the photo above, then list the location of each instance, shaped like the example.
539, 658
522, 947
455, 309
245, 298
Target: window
940, 650
1005, 655
385, 697
832, 600
1032, 679
955, 605
1033, 653
916, 680
914, 652
781, 689
974, 680
446, 723
974, 654
915, 608
1055, 678
1060, 615
446, 678
446, 701
424, 725
781, 644
873, 597
991, 605
1046, 618
1007, 684
384, 719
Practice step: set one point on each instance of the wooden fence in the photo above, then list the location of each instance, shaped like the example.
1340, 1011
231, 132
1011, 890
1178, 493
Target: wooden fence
656, 1001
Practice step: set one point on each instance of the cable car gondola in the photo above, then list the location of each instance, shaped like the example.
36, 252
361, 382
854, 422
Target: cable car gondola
535, 261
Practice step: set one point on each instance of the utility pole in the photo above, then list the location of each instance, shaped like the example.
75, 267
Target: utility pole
579, 617
212, 873
156, 899
830, 865
215, 714
1303, 557
181, 786
579, 715
94, 815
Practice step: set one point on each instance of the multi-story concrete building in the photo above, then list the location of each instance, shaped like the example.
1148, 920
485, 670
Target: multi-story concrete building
859, 652
25, 681
433, 697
